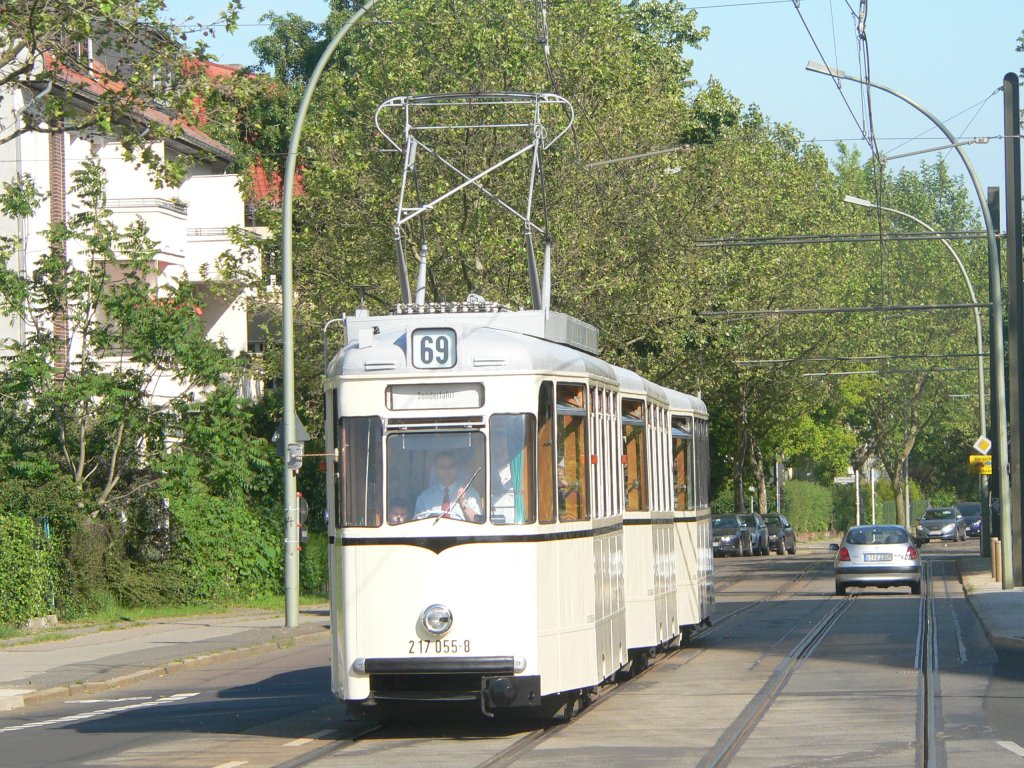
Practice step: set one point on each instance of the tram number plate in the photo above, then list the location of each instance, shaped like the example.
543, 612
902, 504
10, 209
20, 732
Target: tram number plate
877, 558
438, 647
434, 348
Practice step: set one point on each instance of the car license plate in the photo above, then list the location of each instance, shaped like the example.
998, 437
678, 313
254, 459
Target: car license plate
877, 557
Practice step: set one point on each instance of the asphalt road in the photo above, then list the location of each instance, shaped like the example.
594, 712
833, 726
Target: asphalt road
789, 675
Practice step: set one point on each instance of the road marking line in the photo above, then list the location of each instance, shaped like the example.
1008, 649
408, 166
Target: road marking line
1011, 747
233, 764
108, 701
100, 712
307, 739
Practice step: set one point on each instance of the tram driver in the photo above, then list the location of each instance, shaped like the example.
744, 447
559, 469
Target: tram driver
446, 498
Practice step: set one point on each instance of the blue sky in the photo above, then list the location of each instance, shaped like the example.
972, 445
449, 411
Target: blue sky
948, 55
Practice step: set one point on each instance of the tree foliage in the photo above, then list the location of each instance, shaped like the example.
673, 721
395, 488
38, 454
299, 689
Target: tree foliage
120, 424
99, 65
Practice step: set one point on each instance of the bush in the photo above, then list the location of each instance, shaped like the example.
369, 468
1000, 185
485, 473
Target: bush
40, 517
221, 548
807, 505
26, 572
313, 564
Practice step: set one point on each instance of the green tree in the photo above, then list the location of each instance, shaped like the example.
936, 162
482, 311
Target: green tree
112, 404
623, 66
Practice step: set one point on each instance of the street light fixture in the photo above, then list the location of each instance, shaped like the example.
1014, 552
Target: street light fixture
970, 289
996, 312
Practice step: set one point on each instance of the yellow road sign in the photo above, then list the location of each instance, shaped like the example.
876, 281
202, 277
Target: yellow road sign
980, 464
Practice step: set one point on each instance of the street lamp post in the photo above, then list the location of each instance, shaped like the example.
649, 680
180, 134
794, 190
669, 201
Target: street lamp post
288, 429
995, 299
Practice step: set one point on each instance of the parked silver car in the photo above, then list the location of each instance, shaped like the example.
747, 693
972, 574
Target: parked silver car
941, 523
877, 556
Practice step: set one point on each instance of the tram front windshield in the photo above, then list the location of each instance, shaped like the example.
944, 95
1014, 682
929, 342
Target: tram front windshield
451, 475
458, 474
440, 474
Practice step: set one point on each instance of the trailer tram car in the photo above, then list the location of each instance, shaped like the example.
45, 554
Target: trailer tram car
585, 543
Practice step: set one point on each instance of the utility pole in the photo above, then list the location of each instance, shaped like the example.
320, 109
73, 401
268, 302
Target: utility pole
1010, 532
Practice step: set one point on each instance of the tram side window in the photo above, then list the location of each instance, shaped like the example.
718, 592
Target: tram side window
682, 439
546, 452
361, 490
513, 437
635, 466
570, 407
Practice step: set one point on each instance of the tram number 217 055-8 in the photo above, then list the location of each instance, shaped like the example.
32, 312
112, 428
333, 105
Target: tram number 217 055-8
438, 646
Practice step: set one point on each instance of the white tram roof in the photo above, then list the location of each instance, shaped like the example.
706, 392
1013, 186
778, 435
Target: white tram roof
631, 383
491, 340
680, 401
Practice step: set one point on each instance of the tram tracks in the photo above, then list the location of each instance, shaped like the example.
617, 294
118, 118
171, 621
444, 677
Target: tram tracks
720, 754
532, 740
737, 733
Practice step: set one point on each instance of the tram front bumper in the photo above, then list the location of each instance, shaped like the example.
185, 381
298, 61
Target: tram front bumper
490, 679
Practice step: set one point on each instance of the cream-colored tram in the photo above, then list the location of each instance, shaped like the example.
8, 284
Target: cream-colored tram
695, 596
666, 531
503, 514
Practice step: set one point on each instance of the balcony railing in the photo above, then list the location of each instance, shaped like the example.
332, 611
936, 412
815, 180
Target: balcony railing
207, 232
148, 202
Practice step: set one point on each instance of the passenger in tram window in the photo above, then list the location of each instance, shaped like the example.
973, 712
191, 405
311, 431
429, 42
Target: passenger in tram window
399, 512
447, 498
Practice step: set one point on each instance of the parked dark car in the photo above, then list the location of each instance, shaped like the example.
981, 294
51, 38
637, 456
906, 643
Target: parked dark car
729, 537
971, 511
941, 523
758, 532
781, 536
877, 556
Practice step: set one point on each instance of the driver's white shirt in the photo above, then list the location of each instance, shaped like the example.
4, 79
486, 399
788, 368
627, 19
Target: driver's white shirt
428, 503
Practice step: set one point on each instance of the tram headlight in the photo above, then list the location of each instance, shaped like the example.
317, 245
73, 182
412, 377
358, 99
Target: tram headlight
437, 619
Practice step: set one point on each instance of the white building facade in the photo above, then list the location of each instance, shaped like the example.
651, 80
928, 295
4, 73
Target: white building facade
190, 223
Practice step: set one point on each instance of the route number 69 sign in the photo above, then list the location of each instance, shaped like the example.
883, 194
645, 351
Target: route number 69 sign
434, 348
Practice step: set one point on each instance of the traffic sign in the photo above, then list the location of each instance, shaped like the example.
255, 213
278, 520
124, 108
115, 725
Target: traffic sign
983, 445
981, 464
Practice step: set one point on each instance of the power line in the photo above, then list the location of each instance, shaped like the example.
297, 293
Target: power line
855, 358
839, 310
867, 237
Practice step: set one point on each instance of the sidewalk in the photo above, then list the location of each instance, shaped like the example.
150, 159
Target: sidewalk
1001, 611
96, 659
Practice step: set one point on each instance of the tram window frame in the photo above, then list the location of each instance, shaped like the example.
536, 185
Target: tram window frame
682, 463
547, 474
360, 505
634, 452
572, 454
411, 469
505, 475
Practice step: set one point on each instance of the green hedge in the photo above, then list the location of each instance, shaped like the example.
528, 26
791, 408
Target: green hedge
807, 505
27, 573
223, 549
313, 564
